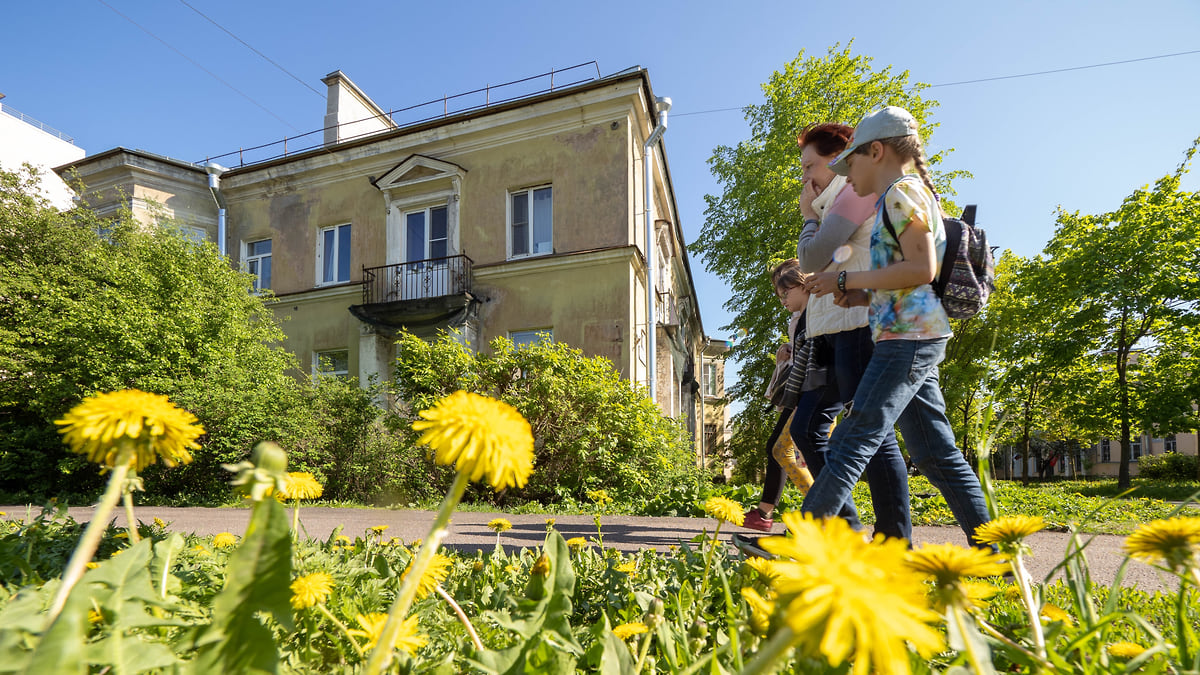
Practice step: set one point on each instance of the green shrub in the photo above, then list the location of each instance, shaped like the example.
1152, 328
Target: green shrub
592, 430
1169, 466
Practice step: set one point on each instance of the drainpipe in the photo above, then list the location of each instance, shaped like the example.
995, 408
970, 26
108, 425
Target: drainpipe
662, 104
214, 186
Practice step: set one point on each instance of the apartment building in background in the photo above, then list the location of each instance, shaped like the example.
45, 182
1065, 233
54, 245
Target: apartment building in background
488, 215
25, 140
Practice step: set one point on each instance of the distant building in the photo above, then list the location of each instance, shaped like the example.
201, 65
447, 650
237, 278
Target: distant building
514, 218
24, 139
1104, 458
712, 390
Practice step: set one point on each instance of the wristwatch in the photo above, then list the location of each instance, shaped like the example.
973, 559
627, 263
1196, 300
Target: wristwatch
841, 282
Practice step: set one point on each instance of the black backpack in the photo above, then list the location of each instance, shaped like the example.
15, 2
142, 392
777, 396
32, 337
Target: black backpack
968, 269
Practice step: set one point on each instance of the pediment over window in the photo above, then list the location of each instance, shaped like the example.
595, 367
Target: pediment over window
418, 169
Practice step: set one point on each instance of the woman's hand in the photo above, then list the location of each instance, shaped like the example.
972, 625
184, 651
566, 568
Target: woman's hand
807, 195
783, 354
822, 283
855, 297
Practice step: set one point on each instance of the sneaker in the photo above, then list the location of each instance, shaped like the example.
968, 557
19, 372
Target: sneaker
755, 521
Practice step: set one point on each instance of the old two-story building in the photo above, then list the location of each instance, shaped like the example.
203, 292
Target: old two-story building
551, 212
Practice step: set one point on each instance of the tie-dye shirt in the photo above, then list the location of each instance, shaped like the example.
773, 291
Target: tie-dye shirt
907, 313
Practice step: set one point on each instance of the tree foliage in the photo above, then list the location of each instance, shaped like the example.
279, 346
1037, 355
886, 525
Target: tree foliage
591, 429
756, 220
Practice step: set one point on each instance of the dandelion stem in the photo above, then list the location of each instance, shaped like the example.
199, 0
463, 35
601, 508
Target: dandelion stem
296, 518
645, 649
130, 521
90, 540
1001, 637
1035, 619
976, 665
346, 631
708, 559
462, 616
381, 656
778, 645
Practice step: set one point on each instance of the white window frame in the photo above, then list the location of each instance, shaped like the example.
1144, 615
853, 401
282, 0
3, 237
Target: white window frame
1170, 444
427, 244
249, 260
1135, 447
321, 253
508, 230
530, 336
316, 363
710, 379
1105, 450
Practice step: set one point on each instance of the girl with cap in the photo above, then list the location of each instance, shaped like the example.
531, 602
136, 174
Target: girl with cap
910, 328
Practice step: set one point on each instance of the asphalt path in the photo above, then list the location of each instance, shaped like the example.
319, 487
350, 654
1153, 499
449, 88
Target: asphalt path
469, 533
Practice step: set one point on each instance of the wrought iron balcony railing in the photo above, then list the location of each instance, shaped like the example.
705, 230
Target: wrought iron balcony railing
417, 280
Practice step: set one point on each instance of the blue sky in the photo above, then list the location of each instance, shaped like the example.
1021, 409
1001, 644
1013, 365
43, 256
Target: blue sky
1082, 139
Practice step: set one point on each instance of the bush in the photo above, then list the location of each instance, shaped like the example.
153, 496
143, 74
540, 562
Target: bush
1169, 466
592, 430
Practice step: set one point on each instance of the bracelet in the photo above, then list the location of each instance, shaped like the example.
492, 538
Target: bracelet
813, 221
841, 282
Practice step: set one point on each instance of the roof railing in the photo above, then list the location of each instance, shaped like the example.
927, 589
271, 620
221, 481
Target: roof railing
13, 112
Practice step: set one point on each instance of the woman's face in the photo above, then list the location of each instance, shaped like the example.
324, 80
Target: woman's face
816, 167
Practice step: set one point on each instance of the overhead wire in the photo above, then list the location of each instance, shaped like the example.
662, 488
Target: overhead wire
992, 79
247, 45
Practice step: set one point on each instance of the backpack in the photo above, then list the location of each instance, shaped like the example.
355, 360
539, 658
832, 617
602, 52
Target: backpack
968, 268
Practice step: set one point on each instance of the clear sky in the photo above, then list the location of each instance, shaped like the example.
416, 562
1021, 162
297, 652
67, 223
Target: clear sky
1081, 139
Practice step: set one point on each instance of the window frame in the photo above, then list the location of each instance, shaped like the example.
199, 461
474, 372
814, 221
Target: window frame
1170, 444
249, 259
710, 379
530, 225
1105, 450
535, 333
318, 374
427, 243
321, 253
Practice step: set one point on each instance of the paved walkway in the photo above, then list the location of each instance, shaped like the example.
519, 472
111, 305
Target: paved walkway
469, 532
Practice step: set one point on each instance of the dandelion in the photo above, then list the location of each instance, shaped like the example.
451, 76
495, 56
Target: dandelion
725, 510
407, 640
483, 438
378, 530
577, 543
1174, 541
846, 600
343, 540
311, 590
93, 565
541, 567
95, 617
949, 566
1125, 650
1009, 531
435, 573
629, 568
301, 485
1056, 613
764, 567
224, 540
549, 524
599, 497
160, 522
103, 425
628, 630
200, 550
499, 525
761, 610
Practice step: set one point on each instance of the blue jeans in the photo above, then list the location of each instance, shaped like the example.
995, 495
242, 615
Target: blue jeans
900, 388
886, 472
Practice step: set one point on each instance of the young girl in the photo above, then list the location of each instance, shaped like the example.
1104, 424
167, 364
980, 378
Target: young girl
908, 324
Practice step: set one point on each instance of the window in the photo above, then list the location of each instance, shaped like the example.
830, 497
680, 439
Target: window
710, 379
333, 255
1135, 445
530, 217
529, 337
1169, 444
196, 235
426, 234
332, 363
258, 263
1105, 451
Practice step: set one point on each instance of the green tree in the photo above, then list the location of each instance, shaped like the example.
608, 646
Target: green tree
591, 429
756, 219
1132, 275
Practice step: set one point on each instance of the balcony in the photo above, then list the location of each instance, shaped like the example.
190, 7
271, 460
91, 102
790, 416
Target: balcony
416, 293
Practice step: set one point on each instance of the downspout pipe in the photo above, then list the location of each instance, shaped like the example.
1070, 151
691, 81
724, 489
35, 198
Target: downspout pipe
662, 104
214, 186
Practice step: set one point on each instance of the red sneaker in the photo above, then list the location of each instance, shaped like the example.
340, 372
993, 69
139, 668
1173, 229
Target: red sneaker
755, 521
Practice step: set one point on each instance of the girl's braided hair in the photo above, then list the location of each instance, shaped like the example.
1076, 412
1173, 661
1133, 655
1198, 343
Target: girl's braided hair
908, 147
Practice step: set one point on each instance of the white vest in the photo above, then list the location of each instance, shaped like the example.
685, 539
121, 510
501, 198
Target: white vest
824, 317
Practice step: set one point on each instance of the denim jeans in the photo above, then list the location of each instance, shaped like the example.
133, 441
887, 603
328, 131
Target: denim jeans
900, 388
886, 472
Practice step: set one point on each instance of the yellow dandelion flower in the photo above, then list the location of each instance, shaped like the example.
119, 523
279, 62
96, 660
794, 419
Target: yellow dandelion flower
435, 573
761, 610
1009, 531
407, 640
578, 543
600, 497
725, 510
93, 565
224, 540
1125, 650
160, 522
949, 566
628, 630
117, 552
311, 590
154, 426
343, 539
415, 544
378, 530
1056, 613
1012, 592
764, 567
499, 525
541, 568
1175, 541
549, 522
627, 568
394, 541
95, 616
482, 437
477, 566
200, 550
121, 535
300, 485
849, 600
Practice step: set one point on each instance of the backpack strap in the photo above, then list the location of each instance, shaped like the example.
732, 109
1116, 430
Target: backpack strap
954, 234
887, 222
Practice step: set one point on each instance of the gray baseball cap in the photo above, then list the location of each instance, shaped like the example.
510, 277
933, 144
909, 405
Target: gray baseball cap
888, 122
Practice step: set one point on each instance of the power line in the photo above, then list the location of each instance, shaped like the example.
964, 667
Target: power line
194, 63
247, 45
992, 79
